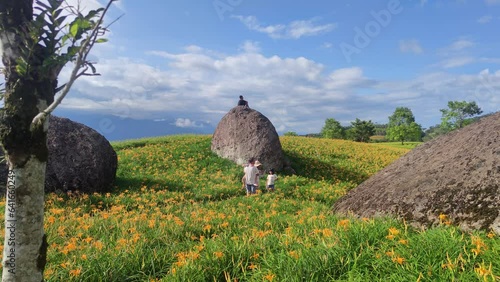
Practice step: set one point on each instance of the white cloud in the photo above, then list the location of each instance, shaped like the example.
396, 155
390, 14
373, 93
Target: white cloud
485, 19
252, 23
410, 46
298, 29
296, 94
185, 122
293, 30
456, 62
457, 54
250, 47
460, 45
456, 48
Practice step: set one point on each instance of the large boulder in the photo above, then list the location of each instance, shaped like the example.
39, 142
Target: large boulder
244, 133
456, 175
80, 159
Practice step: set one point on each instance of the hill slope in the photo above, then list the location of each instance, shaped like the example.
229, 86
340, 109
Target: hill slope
178, 213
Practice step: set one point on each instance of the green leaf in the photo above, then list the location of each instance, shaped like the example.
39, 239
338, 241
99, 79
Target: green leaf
93, 13
21, 67
73, 50
64, 39
101, 40
74, 28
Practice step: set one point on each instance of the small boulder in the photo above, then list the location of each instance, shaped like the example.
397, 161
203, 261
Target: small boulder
456, 176
244, 133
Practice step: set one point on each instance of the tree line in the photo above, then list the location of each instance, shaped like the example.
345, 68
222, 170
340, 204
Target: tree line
402, 126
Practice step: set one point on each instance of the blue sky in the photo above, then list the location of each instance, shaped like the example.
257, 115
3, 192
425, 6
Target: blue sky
186, 62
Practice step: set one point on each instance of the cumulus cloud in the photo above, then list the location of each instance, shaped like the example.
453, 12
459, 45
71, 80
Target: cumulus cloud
295, 93
410, 46
292, 30
186, 123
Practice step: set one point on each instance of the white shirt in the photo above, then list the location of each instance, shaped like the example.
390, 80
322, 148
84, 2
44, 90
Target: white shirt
271, 178
250, 173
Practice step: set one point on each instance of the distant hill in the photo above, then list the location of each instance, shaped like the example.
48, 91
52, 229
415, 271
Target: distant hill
115, 128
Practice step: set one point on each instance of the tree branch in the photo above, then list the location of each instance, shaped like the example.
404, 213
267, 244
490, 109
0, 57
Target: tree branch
80, 60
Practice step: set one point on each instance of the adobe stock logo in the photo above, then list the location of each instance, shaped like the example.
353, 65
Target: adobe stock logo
223, 6
363, 37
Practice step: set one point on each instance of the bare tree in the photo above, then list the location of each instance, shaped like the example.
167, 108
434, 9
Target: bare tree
36, 43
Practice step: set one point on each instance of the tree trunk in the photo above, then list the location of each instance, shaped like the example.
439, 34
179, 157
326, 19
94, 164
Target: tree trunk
25, 246
26, 153
26, 94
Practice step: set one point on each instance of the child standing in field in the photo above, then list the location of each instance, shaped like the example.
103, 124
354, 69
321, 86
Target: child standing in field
270, 180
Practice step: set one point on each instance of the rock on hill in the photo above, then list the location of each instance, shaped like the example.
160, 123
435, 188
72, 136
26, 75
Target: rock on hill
457, 175
244, 133
80, 159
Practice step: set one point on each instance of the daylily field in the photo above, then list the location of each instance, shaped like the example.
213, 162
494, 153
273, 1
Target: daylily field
178, 213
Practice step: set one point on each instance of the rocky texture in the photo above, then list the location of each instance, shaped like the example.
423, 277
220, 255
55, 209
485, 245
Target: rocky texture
244, 133
457, 175
80, 159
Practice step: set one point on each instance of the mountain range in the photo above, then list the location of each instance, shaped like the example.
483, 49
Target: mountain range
116, 128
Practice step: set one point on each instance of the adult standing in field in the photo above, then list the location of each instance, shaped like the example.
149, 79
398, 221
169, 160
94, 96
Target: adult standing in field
251, 177
242, 102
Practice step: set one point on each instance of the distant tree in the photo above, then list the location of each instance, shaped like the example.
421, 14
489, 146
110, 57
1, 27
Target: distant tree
402, 126
333, 129
456, 115
437, 130
361, 130
433, 132
290, 133
380, 129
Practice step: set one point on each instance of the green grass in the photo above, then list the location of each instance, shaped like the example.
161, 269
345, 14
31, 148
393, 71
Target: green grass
178, 213
406, 145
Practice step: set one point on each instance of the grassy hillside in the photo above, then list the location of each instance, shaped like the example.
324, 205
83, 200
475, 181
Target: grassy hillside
178, 213
406, 145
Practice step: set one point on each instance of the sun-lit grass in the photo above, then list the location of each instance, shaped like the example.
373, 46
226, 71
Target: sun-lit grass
178, 214
406, 145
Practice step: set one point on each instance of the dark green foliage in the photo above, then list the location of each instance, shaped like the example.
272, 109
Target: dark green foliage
402, 126
361, 130
458, 111
380, 129
333, 129
290, 133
